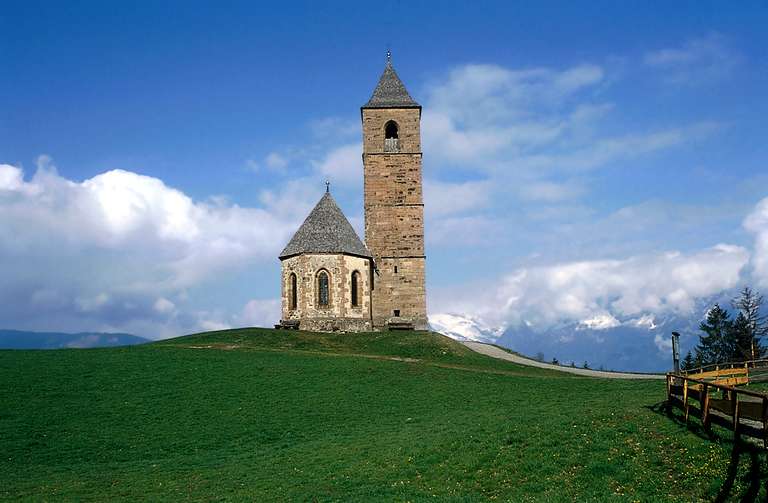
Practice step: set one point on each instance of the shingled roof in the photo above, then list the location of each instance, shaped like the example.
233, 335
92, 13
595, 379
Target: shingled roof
390, 91
326, 230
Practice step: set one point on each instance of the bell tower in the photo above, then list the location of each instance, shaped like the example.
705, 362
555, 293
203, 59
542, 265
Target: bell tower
394, 205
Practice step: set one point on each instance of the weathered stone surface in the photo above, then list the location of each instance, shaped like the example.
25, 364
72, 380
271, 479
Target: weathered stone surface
340, 314
392, 179
401, 291
394, 217
409, 132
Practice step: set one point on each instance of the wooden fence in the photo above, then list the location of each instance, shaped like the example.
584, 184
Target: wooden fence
755, 366
744, 412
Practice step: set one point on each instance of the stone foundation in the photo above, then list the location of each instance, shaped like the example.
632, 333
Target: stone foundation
335, 325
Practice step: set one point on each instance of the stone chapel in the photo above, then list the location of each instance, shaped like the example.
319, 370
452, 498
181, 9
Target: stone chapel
331, 280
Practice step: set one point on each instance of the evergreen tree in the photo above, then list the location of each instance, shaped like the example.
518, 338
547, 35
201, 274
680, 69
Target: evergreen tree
740, 336
715, 346
755, 326
688, 362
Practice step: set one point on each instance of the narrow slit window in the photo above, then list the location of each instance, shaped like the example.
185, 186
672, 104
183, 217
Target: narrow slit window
294, 294
322, 289
354, 289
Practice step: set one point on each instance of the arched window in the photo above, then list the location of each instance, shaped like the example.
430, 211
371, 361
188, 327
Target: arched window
391, 141
390, 130
354, 289
323, 296
293, 295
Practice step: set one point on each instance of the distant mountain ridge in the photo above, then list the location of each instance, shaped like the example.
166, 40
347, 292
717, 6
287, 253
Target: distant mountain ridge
20, 339
640, 343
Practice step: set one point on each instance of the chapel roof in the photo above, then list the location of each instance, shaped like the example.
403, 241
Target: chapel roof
390, 92
325, 230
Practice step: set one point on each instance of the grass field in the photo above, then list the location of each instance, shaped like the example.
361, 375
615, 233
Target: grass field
255, 415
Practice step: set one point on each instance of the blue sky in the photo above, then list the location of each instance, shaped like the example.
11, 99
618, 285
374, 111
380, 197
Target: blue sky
582, 161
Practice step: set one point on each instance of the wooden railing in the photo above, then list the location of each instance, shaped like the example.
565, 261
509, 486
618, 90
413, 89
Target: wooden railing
742, 411
726, 365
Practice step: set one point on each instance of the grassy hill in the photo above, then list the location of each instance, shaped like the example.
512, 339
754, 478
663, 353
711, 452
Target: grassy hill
257, 414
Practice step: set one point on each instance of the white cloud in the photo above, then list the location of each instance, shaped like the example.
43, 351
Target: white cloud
488, 93
520, 129
551, 191
275, 161
93, 303
602, 321
600, 293
605, 151
757, 223
260, 313
119, 250
441, 198
461, 231
596, 293
11, 178
482, 110
664, 344
252, 165
213, 325
342, 165
697, 61
164, 306
334, 128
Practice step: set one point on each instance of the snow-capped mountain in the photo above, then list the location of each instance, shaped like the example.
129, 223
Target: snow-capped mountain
640, 342
464, 327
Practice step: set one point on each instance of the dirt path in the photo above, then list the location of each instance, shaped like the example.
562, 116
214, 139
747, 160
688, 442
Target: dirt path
493, 351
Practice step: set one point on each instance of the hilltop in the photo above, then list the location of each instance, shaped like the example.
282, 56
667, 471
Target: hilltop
258, 414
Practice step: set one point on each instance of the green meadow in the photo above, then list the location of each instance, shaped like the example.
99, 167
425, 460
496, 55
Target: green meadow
259, 415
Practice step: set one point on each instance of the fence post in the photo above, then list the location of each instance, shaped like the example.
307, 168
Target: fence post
765, 422
705, 406
685, 398
735, 408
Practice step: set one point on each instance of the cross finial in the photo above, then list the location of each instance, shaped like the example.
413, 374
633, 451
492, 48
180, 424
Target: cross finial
327, 186
389, 56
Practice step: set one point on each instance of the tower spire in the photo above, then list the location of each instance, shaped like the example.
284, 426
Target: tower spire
390, 91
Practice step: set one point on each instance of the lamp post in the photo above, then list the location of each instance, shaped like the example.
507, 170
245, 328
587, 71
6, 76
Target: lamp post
676, 351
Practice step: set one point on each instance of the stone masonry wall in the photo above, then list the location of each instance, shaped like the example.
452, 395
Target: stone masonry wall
340, 314
394, 216
409, 129
395, 231
402, 290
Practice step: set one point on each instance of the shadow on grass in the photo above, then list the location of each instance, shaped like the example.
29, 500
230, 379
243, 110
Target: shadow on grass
741, 452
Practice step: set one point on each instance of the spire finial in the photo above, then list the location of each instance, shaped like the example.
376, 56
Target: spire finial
327, 187
389, 56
